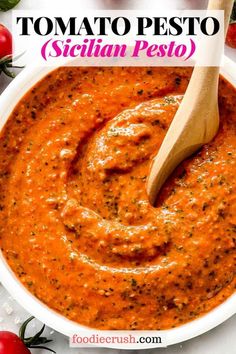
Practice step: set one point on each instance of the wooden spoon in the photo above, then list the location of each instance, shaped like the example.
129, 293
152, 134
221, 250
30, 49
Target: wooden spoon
196, 121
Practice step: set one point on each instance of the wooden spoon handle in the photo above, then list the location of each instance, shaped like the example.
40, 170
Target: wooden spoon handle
226, 6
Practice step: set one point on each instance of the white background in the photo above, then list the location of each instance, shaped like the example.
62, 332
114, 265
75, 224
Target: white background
222, 339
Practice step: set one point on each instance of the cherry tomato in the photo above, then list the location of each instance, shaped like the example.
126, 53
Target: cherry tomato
231, 35
5, 41
10, 343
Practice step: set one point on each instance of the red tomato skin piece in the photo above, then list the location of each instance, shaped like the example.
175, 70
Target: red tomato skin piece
231, 36
10, 343
5, 42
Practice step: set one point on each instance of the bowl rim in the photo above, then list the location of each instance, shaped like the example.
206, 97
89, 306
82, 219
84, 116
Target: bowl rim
8, 100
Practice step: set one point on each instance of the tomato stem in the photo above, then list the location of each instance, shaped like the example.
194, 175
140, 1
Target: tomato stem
8, 72
36, 341
6, 63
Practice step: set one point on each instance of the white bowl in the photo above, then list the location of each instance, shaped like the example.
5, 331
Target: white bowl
8, 100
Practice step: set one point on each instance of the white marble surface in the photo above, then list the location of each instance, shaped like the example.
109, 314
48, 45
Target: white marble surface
218, 341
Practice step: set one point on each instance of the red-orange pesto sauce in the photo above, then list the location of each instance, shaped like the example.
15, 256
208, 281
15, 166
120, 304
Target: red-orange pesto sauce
75, 223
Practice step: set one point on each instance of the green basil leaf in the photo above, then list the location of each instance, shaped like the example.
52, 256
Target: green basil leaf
6, 5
